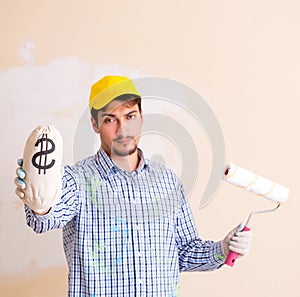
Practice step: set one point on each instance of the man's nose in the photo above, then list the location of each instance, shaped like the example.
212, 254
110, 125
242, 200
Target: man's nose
122, 127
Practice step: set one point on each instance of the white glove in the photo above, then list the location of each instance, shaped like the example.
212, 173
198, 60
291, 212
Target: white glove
237, 241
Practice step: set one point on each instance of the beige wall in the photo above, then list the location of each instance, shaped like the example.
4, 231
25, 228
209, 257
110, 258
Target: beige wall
242, 56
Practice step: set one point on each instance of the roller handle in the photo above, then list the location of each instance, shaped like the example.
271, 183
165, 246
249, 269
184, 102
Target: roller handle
232, 256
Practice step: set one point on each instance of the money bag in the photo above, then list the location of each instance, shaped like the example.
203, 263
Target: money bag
42, 161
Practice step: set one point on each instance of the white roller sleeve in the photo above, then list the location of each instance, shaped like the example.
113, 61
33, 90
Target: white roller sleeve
254, 183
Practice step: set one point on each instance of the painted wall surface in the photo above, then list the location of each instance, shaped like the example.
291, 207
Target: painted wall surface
241, 56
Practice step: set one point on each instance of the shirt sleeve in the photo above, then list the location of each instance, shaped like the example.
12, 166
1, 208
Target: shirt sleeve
194, 253
61, 213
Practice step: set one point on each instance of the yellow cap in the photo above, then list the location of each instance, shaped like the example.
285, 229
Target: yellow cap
108, 88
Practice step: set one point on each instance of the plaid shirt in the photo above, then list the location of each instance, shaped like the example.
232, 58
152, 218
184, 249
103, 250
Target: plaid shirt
126, 234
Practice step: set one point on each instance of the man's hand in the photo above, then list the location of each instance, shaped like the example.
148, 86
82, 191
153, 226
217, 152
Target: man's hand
21, 185
237, 241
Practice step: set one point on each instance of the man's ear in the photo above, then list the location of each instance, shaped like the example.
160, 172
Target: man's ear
95, 125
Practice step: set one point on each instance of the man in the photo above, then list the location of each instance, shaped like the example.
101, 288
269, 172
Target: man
127, 227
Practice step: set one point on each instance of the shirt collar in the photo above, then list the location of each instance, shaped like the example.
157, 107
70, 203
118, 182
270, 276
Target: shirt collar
108, 166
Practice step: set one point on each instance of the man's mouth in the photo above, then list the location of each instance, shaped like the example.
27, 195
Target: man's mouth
124, 140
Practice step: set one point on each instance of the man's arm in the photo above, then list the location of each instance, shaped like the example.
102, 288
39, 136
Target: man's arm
198, 255
194, 253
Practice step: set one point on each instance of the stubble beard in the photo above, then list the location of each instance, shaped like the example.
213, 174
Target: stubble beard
126, 151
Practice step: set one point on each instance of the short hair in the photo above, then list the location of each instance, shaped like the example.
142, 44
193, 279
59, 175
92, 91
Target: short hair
130, 99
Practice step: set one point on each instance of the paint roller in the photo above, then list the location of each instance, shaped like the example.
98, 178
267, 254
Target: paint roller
257, 184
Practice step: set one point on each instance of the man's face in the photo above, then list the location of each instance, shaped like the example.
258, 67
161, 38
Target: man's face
119, 127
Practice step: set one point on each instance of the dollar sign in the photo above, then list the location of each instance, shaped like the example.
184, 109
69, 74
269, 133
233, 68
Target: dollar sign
43, 152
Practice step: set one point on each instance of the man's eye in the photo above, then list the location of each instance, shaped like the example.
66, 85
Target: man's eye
131, 117
109, 120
